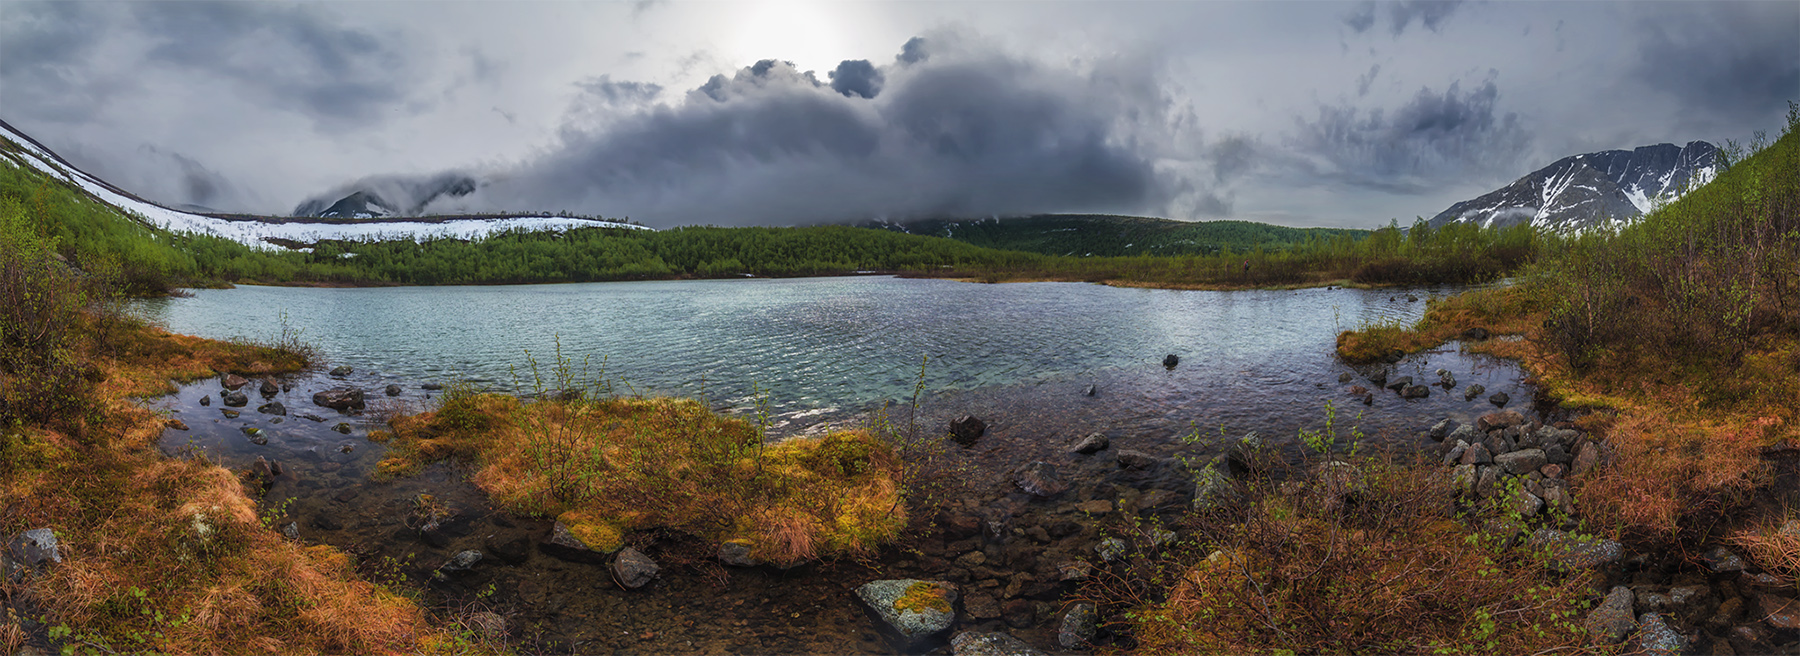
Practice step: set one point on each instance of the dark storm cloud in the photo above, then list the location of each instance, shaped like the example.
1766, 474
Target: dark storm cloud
1732, 64
399, 193
913, 52
1231, 156
287, 56
856, 77
1429, 13
44, 51
969, 132
1435, 137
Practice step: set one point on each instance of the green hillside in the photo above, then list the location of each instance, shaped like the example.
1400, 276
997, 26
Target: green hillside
1102, 235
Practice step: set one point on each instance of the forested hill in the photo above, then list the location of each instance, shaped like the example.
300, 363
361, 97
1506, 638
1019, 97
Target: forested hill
1101, 235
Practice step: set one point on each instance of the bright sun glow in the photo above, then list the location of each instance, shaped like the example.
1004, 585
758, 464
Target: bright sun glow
809, 34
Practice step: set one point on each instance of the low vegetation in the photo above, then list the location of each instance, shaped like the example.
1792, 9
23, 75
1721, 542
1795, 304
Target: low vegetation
609, 466
160, 555
1088, 235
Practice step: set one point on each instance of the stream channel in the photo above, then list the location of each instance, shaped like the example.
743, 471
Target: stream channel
820, 352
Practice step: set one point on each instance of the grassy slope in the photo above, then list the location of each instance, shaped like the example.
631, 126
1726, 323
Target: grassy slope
1093, 235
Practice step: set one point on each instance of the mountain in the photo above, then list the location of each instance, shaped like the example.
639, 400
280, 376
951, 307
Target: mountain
18, 149
387, 196
1101, 235
1592, 189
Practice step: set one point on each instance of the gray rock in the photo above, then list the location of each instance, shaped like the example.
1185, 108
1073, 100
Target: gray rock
1587, 456
1497, 443
1111, 549
32, 551
1078, 626
1169, 361
1074, 570
233, 381
255, 435
632, 569
1465, 433
1454, 455
736, 553
459, 565
268, 389
206, 401
392, 390
1447, 379
967, 429
342, 427
1398, 384
1091, 443
1442, 429
1779, 612
1609, 623
910, 612
431, 387
1463, 477
1556, 497
1556, 454
272, 408
563, 544
1487, 481
1499, 420
1473, 391
1212, 489
1249, 456
1500, 399
291, 531
1476, 454
1567, 552
986, 643
234, 399
1415, 392
1720, 559
1090, 391
1379, 377
1040, 479
342, 371
1526, 504
1521, 462
1132, 459
341, 398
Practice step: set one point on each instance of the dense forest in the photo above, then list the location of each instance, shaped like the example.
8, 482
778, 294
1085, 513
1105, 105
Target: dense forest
137, 259
1099, 235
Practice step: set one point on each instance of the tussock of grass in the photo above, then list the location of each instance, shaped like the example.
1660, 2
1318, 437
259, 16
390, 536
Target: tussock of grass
1499, 310
1388, 569
609, 467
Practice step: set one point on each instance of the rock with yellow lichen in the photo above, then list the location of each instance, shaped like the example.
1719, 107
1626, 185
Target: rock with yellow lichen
910, 612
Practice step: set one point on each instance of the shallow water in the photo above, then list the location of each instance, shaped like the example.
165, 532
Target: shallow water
1021, 357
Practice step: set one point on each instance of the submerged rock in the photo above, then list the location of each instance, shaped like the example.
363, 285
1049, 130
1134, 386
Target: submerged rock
392, 390
1473, 391
967, 429
341, 398
1415, 392
563, 544
272, 408
206, 401
342, 371
1040, 479
990, 643
910, 612
234, 399
268, 389
1500, 399
736, 553
1090, 443
633, 569
1137, 460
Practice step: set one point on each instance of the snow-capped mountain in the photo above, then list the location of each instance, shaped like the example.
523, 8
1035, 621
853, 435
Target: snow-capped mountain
17, 149
387, 196
1593, 189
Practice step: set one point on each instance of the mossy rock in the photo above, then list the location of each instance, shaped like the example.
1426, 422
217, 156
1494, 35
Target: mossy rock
911, 613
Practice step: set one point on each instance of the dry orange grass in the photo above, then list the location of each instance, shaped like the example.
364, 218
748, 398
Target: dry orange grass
1501, 310
610, 467
1774, 546
169, 555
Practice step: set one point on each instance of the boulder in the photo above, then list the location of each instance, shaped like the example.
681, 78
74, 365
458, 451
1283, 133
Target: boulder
1721, 559
1250, 456
340, 398
1074, 570
255, 435
291, 531
272, 408
176, 424
1415, 392
392, 390
1587, 456
1473, 391
910, 612
1111, 549
1078, 626
268, 389
1170, 360
736, 553
1476, 454
1463, 478
563, 544
1568, 552
632, 569
1465, 433
1521, 462
1499, 420
229, 413
1090, 443
206, 401
1398, 384
233, 381
431, 387
1442, 429
1212, 489
1138, 460
1500, 399
234, 399
1378, 376
31, 551
458, 566
1447, 379
1040, 479
1454, 455
1609, 623
966, 429
1779, 612
342, 371
342, 427
989, 643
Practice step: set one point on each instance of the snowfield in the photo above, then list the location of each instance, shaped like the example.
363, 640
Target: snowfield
256, 233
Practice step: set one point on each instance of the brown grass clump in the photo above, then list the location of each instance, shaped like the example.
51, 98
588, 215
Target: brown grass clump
1387, 569
608, 467
1499, 310
1775, 547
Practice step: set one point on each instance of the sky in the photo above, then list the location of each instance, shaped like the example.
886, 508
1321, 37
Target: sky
792, 112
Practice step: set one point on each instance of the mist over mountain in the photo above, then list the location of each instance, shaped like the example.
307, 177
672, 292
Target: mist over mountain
1592, 189
386, 196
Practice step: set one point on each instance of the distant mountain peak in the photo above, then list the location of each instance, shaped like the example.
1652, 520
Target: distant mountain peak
1592, 189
